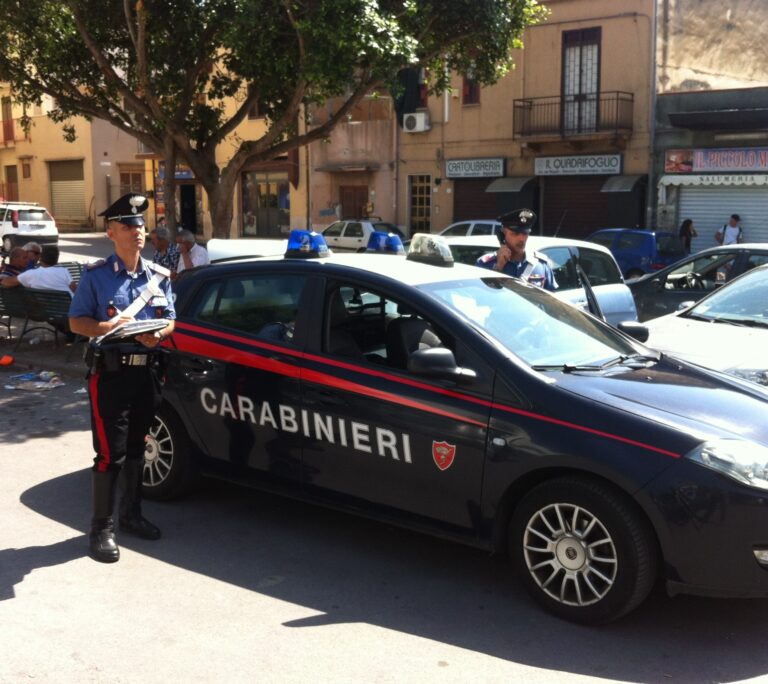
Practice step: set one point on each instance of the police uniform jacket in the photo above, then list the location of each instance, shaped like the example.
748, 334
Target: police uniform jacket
540, 273
107, 286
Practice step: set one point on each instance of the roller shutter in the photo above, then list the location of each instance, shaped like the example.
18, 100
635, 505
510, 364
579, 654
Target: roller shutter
711, 206
67, 190
576, 204
471, 201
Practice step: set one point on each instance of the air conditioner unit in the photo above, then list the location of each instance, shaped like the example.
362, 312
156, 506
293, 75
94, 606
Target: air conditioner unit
417, 122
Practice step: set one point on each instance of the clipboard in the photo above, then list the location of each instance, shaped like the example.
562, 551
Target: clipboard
131, 329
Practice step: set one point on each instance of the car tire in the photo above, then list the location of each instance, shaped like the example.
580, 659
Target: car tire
582, 550
169, 469
634, 273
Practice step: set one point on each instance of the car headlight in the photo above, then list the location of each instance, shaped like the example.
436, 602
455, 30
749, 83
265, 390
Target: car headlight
757, 375
746, 462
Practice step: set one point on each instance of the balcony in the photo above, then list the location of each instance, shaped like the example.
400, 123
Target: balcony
574, 118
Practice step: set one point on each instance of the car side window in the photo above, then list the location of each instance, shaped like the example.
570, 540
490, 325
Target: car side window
483, 229
354, 230
702, 273
460, 229
600, 268
264, 306
756, 260
604, 239
334, 230
371, 328
632, 241
563, 267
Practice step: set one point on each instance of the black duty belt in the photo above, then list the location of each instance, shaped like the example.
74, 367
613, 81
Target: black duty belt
134, 359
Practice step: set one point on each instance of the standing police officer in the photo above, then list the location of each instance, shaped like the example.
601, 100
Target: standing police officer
512, 259
121, 381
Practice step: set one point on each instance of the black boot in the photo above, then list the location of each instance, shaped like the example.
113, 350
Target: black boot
131, 520
102, 537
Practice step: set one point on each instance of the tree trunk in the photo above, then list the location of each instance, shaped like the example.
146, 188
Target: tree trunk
169, 186
221, 193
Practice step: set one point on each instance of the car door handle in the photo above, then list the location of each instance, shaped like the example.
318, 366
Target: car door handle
197, 367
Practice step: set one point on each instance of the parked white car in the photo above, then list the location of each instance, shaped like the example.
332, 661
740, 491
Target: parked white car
727, 330
602, 271
354, 234
22, 222
465, 228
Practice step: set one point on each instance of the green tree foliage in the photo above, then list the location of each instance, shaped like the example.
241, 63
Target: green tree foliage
167, 71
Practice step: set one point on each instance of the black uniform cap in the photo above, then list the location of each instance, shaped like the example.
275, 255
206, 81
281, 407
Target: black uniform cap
519, 220
127, 209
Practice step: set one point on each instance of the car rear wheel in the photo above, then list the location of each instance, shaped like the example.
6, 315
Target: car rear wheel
582, 551
168, 466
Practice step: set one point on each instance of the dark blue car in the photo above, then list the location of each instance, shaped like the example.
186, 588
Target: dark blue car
640, 251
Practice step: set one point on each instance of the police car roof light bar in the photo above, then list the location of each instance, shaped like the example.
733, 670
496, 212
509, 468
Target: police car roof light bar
306, 244
430, 249
385, 243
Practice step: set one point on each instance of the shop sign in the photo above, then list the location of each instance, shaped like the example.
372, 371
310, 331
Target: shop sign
713, 160
474, 168
579, 165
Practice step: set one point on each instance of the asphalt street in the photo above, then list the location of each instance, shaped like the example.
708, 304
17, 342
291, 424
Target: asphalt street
247, 587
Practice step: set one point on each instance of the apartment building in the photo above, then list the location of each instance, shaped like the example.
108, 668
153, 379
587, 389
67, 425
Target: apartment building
566, 132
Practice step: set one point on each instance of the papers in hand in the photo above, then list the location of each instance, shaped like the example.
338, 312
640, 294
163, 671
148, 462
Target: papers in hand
131, 329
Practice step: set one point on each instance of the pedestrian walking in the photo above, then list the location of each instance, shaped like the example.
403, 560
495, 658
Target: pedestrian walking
122, 375
687, 233
731, 232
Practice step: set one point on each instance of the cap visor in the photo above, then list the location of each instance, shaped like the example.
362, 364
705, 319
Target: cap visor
130, 220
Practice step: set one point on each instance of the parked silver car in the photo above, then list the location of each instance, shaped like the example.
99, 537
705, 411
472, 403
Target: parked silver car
597, 262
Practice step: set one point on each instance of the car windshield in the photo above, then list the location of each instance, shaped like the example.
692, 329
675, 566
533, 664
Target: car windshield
743, 302
538, 328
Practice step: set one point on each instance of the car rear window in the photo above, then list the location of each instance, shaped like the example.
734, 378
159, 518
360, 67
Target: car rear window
604, 239
669, 245
389, 227
483, 229
34, 215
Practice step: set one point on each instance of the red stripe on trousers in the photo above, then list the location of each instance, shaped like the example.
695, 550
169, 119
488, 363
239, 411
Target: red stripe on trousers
101, 434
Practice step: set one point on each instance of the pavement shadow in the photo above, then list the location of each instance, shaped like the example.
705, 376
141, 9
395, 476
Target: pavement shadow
16, 564
349, 569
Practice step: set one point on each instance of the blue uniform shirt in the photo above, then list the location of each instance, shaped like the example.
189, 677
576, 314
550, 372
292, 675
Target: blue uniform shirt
109, 283
539, 274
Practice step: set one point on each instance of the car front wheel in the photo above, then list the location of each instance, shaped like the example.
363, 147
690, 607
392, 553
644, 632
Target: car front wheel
168, 467
582, 550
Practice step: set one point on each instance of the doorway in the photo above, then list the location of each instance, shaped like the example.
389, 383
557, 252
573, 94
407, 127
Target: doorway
353, 200
188, 206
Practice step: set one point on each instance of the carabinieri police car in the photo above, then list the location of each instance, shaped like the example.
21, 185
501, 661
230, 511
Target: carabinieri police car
474, 406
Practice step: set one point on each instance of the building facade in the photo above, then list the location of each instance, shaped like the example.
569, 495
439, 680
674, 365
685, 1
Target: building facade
567, 132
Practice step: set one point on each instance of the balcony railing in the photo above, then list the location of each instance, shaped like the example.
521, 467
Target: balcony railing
574, 115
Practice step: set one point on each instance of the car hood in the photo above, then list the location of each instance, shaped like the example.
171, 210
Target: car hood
714, 345
679, 395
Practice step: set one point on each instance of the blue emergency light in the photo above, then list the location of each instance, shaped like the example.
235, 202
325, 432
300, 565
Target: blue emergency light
306, 244
385, 243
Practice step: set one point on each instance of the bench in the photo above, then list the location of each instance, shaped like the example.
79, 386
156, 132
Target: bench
47, 307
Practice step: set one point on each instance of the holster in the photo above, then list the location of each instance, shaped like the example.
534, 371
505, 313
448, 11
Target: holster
94, 359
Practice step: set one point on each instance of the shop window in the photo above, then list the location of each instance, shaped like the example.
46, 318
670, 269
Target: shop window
266, 204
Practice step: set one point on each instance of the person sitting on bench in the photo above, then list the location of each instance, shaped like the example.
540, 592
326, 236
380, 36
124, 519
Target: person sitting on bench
48, 277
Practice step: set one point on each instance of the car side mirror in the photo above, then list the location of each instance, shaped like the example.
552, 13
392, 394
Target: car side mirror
439, 362
635, 330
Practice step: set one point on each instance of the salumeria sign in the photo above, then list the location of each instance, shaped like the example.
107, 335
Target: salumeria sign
578, 165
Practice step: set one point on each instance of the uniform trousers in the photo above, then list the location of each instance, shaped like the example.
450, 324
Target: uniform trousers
123, 404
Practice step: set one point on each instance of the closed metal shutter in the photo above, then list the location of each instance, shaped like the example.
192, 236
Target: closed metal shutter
68, 190
711, 206
471, 201
576, 204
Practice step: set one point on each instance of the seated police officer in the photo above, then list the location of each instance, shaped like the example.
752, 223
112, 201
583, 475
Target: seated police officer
121, 385
511, 257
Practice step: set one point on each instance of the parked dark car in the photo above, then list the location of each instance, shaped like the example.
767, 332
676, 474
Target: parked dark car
690, 279
640, 251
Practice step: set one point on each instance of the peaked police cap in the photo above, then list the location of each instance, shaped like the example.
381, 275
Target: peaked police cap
519, 220
127, 209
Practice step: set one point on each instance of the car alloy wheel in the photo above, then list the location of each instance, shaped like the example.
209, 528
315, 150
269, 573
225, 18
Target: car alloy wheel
583, 549
158, 454
570, 554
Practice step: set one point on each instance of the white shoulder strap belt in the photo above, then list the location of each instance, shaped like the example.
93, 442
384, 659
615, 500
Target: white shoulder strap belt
151, 289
